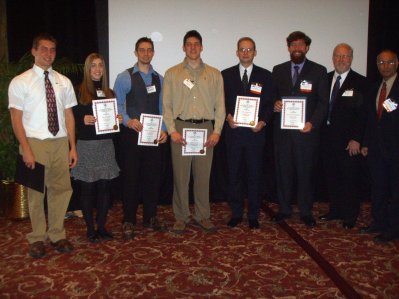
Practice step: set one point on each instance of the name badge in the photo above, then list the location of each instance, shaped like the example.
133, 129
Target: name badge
188, 83
100, 93
348, 93
151, 89
256, 88
389, 105
306, 86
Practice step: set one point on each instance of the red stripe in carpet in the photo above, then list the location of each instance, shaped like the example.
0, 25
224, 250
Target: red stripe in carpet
346, 289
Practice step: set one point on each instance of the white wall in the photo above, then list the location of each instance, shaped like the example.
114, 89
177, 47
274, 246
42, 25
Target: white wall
222, 22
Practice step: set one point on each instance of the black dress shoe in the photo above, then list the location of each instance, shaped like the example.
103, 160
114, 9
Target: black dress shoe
308, 221
347, 225
328, 217
280, 217
253, 223
93, 238
385, 237
371, 229
105, 235
234, 221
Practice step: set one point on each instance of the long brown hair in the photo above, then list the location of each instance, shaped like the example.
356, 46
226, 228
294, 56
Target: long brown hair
86, 89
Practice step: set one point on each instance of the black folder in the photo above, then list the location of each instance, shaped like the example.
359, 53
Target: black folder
31, 178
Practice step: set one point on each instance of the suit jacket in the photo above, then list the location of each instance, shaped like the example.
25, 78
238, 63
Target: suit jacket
347, 121
316, 99
383, 134
233, 87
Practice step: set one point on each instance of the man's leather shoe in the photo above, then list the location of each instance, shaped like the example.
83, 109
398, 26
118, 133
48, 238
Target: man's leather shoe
63, 246
93, 238
37, 250
369, 229
347, 225
308, 221
234, 221
328, 217
253, 223
280, 217
385, 237
105, 235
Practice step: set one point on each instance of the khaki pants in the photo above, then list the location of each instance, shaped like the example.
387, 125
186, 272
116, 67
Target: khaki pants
53, 154
201, 168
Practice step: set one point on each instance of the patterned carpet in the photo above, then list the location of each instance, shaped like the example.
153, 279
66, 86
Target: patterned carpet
231, 263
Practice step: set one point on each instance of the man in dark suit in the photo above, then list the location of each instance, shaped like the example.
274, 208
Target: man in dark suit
341, 136
381, 145
296, 150
245, 145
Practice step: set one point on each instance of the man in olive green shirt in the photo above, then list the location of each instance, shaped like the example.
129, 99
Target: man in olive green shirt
192, 98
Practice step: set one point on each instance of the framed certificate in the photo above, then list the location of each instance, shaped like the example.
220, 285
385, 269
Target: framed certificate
246, 111
106, 113
195, 139
152, 124
293, 113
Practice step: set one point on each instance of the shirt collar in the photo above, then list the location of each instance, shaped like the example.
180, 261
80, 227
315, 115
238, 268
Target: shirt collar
298, 64
39, 71
343, 76
150, 70
186, 65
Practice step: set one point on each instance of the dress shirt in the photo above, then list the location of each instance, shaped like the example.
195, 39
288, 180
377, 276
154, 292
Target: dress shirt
249, 71
343, 77
205, 100
123, 85
389, 83
27, 93
300, 67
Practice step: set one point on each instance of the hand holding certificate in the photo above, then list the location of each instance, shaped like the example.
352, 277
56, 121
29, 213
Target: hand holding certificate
195, 140
246, 111
293, 113
151, 131
106, 113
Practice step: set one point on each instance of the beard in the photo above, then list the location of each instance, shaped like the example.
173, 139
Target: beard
297, 57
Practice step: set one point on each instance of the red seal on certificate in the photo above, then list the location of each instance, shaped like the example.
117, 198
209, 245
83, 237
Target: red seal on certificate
115, 127
202, 151
155, 141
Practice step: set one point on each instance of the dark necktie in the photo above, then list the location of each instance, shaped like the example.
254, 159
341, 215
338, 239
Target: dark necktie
52, 115
245, 80
334, 94
381, 99
296, 74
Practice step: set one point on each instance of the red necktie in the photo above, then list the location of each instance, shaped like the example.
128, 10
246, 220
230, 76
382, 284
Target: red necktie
381, 99
52, 115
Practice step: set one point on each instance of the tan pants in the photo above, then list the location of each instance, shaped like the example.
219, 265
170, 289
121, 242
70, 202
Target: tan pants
53, 154
201, 168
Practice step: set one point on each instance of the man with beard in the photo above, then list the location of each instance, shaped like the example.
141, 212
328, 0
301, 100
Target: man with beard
296, 150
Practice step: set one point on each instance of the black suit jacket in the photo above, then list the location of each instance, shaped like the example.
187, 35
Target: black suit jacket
233, 87
347, 121
316, 100
383, 134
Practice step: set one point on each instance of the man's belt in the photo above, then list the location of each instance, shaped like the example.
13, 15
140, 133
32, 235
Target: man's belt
194, 121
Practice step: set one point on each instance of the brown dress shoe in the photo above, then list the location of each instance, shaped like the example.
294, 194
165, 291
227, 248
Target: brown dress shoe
63, 246
37, 249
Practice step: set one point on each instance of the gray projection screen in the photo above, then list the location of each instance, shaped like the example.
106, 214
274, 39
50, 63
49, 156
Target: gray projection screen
222, 22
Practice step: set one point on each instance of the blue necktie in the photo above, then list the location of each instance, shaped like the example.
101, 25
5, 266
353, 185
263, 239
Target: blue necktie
334, 94
296, 74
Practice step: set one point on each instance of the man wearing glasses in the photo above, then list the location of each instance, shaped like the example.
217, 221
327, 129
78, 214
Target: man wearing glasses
381, 145
341, 136
296, 149
245, 145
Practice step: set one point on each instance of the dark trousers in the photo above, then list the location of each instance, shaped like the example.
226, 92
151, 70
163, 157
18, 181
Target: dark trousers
384, 191
295, 155
341, 172
95, 195
141, 171
245, 161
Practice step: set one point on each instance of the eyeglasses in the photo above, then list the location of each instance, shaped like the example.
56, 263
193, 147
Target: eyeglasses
388, 62
246, 50
342, 56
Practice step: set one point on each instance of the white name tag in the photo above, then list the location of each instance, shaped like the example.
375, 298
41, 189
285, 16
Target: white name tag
306, 86
151, 89
348, 93
100, 93
256, 88
389, 105
188, 83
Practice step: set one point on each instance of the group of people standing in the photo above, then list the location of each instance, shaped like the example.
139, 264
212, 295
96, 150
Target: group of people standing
344, 118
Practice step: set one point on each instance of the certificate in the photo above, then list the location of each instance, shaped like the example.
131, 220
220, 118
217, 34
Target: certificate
293, 113
195, 140
151, 131
246, 111
106, 113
